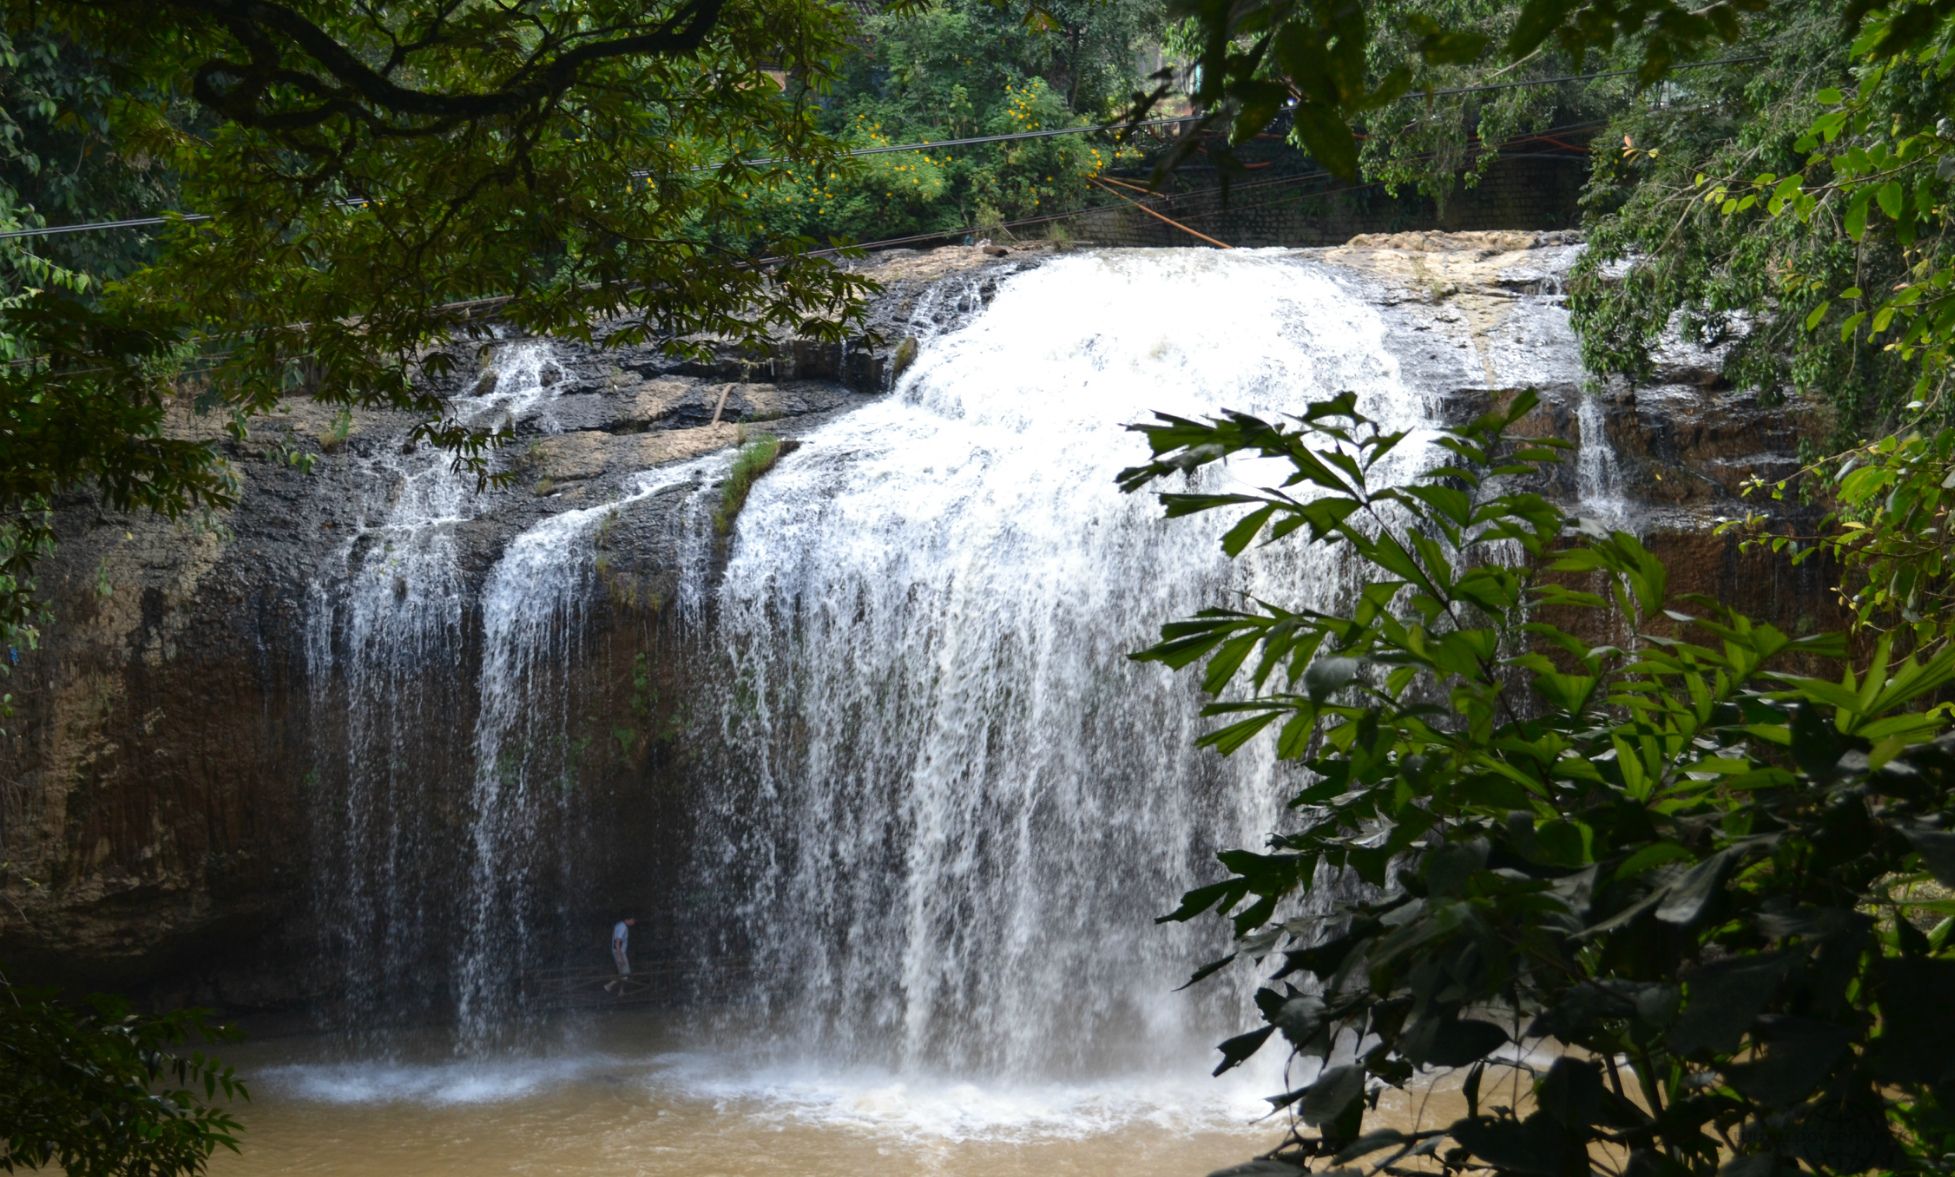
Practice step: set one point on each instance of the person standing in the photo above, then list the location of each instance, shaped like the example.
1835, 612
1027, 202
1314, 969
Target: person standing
620, 942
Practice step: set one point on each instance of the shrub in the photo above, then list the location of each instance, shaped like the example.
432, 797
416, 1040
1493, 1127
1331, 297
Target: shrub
755, 458
99, 1089
1667, 887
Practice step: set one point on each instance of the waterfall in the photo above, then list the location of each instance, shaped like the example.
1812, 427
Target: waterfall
386, 636
1598, 474
946, 805
523, 802
935, 807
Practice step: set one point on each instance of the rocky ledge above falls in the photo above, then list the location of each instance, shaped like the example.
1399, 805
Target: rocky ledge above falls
1477, 317
156, 827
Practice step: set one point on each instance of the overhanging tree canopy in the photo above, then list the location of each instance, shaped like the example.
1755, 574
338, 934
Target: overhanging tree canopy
370, 178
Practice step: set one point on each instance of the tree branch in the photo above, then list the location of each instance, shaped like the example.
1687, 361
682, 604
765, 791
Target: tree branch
359, 89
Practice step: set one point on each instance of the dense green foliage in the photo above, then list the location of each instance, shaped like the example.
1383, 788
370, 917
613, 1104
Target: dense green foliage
1785, 200
104, 1092
57, 160
961, 69
1332, 64
1719, 278
1436, 144
1434, 84
1648, 869
370, 175
1859, 276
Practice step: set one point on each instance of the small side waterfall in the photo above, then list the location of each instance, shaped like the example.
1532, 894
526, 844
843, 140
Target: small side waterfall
949, 805
384, 640
524, 802
1598, 473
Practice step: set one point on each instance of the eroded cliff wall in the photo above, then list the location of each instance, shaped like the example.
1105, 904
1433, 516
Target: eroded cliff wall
175, 769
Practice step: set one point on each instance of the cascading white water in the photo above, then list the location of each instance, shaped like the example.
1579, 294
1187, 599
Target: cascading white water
949, 805
1598, 473
523, 803
384, 638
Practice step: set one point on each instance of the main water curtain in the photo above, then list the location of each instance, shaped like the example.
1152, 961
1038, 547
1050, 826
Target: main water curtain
946, 806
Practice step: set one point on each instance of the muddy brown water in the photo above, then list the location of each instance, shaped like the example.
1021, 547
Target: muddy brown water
621, 1095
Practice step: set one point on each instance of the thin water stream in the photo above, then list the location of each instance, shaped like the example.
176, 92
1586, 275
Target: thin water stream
386, 630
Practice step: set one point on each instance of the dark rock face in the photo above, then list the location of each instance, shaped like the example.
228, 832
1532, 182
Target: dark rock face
156, 822
157, 819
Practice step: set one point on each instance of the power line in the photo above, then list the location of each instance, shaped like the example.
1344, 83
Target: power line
1489, 87
969, 141
643, 173
489, 302
973, 141
129, 223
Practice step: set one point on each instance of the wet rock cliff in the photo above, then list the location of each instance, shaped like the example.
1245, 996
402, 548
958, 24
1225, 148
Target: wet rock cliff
175, 761
194, 758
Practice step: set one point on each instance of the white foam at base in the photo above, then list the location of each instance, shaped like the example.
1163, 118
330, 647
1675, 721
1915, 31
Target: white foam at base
435, 1084
906, 1108
921, 1108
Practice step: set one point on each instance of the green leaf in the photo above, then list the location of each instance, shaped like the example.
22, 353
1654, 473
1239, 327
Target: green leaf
1334, 1091
1538, 19
1229, 738
1799, 1054
1221, 895
1370, 1142
1892, 199
1244, 532
1937, 851
1451, 47
1326, 136
1453, 1042
1238, 1050
1571, 1092
1724, 999
1856, 213
1227, 659
1534, 1147
1685, 900
1206, 971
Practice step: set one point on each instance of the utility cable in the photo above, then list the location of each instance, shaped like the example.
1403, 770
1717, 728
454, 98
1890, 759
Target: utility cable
643, 173
969, 141
1165, 219
973, 140
489, 302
